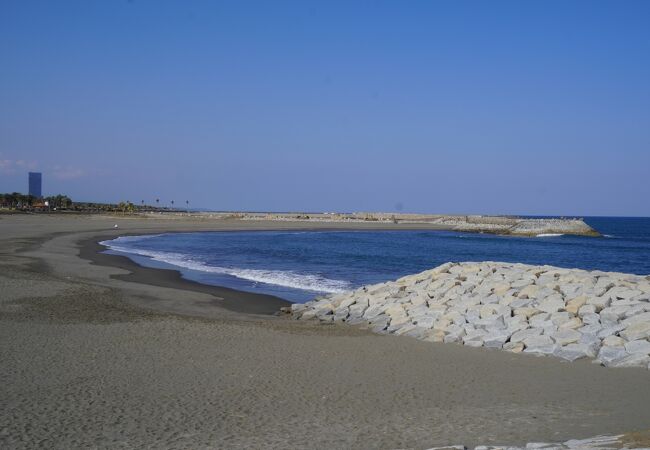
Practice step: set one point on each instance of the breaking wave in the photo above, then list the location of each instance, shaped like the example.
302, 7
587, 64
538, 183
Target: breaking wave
288, 279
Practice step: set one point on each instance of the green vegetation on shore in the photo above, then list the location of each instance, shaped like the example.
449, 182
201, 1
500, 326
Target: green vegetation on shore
17, 202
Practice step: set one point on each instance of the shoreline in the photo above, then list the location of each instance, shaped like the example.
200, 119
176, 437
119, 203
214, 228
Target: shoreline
234, 300
227, 298
106, 374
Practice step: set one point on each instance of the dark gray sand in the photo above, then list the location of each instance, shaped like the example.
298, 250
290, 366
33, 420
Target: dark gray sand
233, 300
94, 357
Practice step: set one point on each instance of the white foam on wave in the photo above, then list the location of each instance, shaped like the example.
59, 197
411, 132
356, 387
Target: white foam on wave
125, 239
549, 235
287, 278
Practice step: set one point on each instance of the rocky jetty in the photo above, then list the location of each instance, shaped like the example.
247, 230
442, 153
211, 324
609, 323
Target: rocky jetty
505, 225
619, 442
543, 310
515, 226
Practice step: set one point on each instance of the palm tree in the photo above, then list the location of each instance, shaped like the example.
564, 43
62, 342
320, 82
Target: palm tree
172, 204
187, 203
157, 202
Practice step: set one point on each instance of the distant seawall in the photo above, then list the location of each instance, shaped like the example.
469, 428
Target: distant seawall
528, 227
503, 225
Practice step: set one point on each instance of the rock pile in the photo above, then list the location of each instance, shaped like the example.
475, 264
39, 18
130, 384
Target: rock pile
594, 443
544, 310
507, 225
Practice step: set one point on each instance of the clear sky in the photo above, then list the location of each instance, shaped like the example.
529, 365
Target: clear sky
522, 107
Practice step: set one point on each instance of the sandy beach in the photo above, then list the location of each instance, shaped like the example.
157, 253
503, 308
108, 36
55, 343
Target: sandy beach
98, 352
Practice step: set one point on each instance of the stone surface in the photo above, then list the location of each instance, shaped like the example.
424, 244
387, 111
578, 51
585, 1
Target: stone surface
552, 303
639, 346
565, 337
609, 355
514, 347
636, 331
575, 304
593, 443
613, 341
572, 352
632, 360
569, 314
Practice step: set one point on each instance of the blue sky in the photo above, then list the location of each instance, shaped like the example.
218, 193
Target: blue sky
536, 107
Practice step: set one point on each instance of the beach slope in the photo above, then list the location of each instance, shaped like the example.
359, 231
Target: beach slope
91, 358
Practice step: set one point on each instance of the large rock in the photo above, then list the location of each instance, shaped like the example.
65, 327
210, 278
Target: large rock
586, 309
373, 311
496, 338
341, 314
608, 355
522, 335
613, 341
599, 302
526, 311
539, 320
357, 309
575, 304
454, 333
613, 314
636, 331
543, 345
529, 291
565, 337
424, 321
632, 360
552, 303
514, 347
591, 319
639, 346
572, 352
474, 338
610, 330
571, 324
347, 302
621, 292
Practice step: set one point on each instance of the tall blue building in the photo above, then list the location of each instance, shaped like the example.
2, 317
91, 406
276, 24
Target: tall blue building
35, 184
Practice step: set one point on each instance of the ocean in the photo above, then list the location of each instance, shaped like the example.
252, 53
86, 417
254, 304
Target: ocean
299, 265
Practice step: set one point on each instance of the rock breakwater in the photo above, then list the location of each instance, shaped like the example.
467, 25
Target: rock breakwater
543, 310
620, 442
503, 225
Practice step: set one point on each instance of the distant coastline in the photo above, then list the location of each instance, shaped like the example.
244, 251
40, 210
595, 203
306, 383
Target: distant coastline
496, 224
502, 225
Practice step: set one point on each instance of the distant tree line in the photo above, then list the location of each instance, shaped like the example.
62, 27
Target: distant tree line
18, 201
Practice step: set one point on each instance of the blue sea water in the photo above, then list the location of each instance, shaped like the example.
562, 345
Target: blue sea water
300, 265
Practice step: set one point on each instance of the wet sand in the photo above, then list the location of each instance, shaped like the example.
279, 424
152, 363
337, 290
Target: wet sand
99, 352
230, 299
